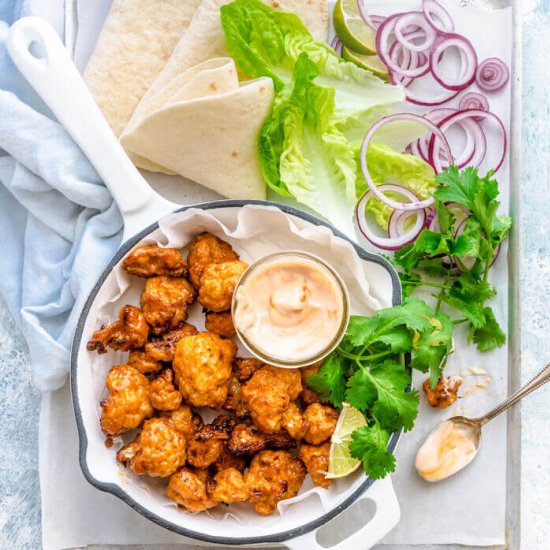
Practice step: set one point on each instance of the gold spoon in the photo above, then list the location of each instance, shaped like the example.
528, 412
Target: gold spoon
455, 442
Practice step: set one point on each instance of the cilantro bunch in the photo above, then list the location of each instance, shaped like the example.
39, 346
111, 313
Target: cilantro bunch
458, 265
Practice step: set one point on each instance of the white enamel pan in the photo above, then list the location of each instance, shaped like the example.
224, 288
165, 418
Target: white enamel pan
41, 57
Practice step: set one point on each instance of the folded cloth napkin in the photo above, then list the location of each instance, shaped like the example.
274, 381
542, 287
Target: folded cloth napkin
59, 225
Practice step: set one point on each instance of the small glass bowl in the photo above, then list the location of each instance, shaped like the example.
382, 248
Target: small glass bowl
330, 273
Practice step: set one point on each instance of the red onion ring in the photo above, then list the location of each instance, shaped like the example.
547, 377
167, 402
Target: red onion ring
421, 145
389, 243
445, 124
492, 74
474, 101
432, 8
415, 64
336, 45
411, 97
398, 219
373, 21
468, 57
415, 19
364, 165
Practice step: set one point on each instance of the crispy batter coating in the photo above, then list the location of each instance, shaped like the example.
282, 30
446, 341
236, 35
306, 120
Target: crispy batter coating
245, 367
208, 443
164, 396
220, 323
234, 402
158, 451
229, 486
218, 283
164, 348
293, 422
273, 476
307, 397
207, 249
129, 332
128, 403
229, 460
152, 261
321, 421
202, 365
247, 439
315, 457
185, 420
188, 488
164, 302
445, 393
143, 362
268, 393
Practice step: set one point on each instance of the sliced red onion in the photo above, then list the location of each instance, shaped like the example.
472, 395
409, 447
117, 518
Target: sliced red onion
373, 21
437, 16
458, 117
414, 19
420, 146
474, 101
398, 219
426, 203
336, 45
412, 97
467, 54
492, 74
405, 237
411, 63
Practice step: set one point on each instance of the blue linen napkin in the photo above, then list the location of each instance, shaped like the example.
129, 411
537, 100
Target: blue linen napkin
59, 225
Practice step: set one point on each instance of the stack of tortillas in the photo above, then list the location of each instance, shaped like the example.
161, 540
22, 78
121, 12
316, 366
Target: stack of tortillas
163, 79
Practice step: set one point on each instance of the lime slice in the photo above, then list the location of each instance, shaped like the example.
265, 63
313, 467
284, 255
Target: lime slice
352, 30
370, 62
340, 462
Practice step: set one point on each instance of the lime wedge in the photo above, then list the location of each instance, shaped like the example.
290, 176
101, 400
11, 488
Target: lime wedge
341, 463
352, 30
370, 62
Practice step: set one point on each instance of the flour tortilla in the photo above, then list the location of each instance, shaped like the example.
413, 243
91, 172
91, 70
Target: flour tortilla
205, 39
204, 126
135, 43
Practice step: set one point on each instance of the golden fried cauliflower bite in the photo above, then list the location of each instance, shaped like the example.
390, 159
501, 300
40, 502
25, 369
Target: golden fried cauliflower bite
158, 451
273, 476
245, 367
234, 402
152, 261
268, 393
307, 397
220, 323
129, 332
207, 249
164, 396
164, 302
321, 422
218, 283
202, 365
293, 422
246, 439
188, 488
128, 403
185, 420
143, 363
229, 486
208, 443
316, 457
229, 460
164, 348
445, 392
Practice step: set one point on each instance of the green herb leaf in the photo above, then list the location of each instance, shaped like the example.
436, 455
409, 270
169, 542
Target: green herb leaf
361, 393
360, 329
489, 336
369, 444
330, 381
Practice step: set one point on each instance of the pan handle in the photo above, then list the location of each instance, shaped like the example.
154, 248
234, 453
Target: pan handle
40, 56
386, 517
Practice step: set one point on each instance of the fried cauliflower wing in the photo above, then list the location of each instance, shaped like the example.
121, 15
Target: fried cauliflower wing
307, 396
268, 393
247, 439
220, 323
445, 393
152, 261
273, 476
129, 332
158, 451
164, 348
229, 486
234, 402
188, 488
245, 367
128, 404
202, 366
321, 421
208, 443
293, 422
207, 249
229, 460
218, 283
185, 420
316, 457
163, 394
143, 362
164, 302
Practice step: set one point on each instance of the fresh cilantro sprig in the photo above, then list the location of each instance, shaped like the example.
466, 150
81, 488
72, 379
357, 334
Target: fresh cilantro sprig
368, 372
457, 264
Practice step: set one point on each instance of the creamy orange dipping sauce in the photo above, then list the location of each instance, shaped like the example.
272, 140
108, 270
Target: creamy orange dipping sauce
447, 450
290, 308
